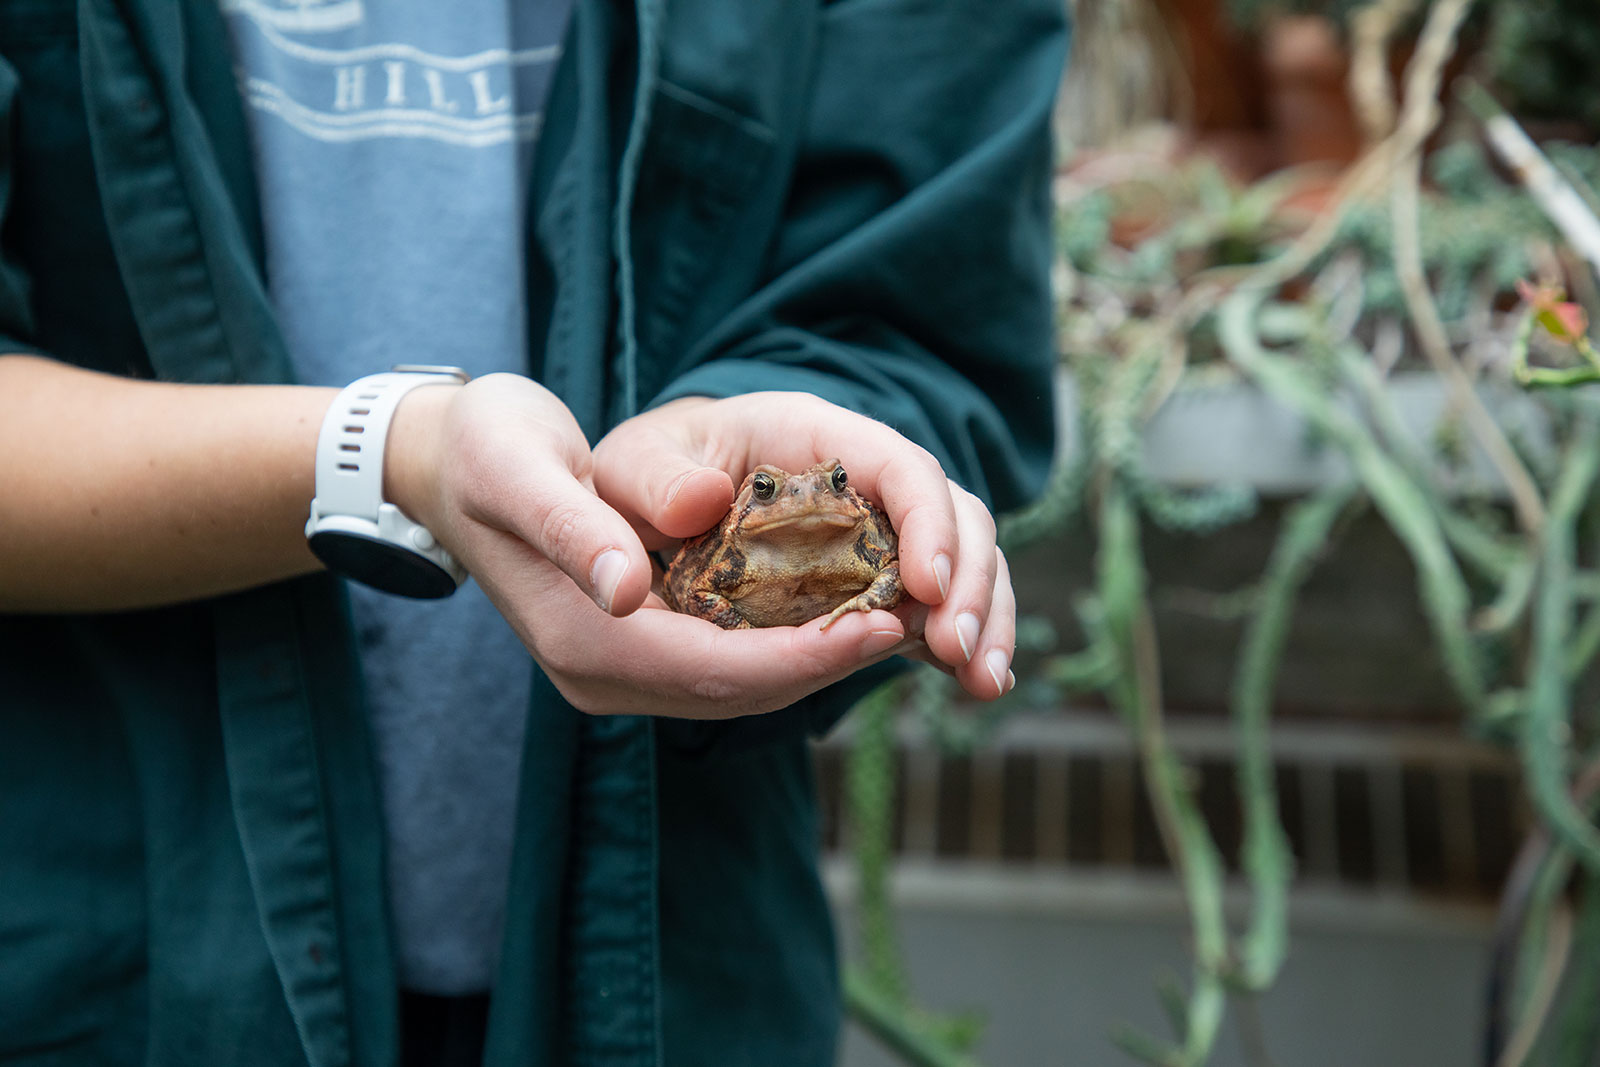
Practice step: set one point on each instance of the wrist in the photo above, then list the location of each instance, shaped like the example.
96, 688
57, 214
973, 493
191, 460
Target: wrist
413, 453
355, 527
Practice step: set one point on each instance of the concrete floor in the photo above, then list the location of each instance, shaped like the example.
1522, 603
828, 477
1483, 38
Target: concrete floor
1056, 961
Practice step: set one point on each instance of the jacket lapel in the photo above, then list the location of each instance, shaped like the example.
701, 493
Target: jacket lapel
190, 262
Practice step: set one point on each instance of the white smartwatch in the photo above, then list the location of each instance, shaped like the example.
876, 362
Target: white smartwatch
352, 529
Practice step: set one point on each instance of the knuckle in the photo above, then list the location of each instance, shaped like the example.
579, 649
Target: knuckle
560, 529
809, 401
922, 511
980, 515
812, 662
988, 567
983, 519
911, 459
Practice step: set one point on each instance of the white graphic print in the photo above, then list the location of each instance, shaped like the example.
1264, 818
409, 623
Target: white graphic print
384, 90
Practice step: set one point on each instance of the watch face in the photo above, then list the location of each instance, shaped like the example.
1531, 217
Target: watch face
382, 565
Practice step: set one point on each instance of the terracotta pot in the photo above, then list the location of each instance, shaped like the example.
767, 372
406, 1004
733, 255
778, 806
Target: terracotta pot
1306, 65
1224, 82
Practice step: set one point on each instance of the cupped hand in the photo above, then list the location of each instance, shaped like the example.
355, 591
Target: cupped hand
671, 473
658, 662
500, 472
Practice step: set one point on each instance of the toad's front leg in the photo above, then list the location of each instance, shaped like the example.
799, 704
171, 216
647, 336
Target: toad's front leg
714, 607
884, 592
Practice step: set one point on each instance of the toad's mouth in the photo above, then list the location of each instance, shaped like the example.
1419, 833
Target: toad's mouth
812, 521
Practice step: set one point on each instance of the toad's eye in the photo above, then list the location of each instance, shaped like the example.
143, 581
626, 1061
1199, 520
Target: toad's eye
764, 486
840, 479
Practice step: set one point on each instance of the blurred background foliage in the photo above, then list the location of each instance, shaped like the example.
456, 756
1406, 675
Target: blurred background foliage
1202, 241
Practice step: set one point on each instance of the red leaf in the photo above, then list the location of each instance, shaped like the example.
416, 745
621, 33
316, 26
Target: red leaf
1565, 321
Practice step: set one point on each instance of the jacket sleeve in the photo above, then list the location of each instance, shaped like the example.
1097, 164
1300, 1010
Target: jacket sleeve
16, 322
909, 276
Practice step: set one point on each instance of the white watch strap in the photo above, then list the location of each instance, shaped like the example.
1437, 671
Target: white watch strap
354, 431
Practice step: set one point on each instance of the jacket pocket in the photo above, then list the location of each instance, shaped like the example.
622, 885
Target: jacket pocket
701, 162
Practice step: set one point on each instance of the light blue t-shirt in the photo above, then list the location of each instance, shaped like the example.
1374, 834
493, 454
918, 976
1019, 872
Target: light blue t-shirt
393, 141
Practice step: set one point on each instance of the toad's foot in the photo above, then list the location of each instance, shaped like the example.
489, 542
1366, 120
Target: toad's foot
884, 592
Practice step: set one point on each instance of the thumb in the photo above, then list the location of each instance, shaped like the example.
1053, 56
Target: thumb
653, 483
571, 527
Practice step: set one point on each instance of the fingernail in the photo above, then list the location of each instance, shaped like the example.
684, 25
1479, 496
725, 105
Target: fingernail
878, 641
941, 574
606, 574
999, 665
967, 627
1011, 681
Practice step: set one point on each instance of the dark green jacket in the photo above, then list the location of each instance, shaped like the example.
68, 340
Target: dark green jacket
732, 195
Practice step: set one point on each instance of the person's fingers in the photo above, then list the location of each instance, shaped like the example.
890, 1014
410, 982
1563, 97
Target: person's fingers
550, 509
953, 626
678, 665
912, 488
988, 673
519, 464
650, 475
998, 645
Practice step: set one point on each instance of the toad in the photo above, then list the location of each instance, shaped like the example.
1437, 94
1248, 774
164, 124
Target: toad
793, 547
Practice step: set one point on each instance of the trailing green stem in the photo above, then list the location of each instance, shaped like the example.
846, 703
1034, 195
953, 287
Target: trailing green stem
1547, 728
870, 815
1495, 557
1549, 377
1266, 857
1542, 952
1393, 492
878, 992
896, 1026
1136, 692
1575, 1042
